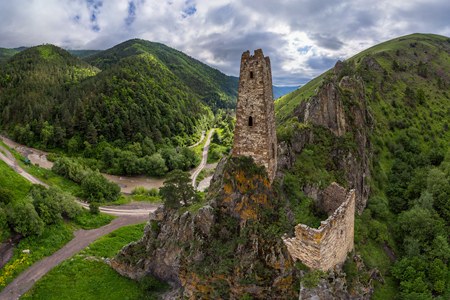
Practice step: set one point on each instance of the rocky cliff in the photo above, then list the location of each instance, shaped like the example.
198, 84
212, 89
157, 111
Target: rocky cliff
229, 248
339, 107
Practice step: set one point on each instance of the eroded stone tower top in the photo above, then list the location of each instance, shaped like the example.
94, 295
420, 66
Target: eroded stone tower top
254, 134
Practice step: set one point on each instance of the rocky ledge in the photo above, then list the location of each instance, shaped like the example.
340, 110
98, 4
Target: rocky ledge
228, 249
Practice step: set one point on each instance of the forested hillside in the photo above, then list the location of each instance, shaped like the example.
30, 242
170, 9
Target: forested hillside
132, 105
215, 89
404, 229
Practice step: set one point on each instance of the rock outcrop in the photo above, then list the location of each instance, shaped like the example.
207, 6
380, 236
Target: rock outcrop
339, 105
229, 248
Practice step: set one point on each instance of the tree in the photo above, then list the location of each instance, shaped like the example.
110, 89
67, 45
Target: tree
190, 158
24, 219
439, 186
177, 188
155, 165
3, 223
216, 138
420, 225
47, 204
5, 196
97, 188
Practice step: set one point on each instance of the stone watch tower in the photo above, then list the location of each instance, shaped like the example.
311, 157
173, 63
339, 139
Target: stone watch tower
254, 134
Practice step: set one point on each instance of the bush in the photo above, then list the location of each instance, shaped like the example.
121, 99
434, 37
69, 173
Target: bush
312, 279
5, 196
94, 208
139, 190
3, 224
24, 219
97, 188
155, 165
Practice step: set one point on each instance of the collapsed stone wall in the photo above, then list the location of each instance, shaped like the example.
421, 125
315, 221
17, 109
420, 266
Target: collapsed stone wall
325, 247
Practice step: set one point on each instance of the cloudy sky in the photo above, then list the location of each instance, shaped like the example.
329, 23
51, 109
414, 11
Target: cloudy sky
302, 37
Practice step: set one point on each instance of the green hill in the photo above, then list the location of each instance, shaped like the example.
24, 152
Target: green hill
384, 116
35, 81
214, 88
7, 53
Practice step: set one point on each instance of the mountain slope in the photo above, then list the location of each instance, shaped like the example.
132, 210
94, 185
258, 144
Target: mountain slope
34, 82
128, 118
138, 95
216, 89
7, 53
378, 122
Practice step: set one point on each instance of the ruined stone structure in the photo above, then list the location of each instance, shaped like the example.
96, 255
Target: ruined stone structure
254, 133
327, 246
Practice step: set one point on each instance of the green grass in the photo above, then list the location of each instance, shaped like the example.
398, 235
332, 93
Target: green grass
145, 198
203, 174
46, 176
110, 244
51, 240
12, 181
51, 178
385, 291
86, 220
86, 276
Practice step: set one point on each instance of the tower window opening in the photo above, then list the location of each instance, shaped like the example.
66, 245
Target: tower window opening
273, 150
251, 74
250, 121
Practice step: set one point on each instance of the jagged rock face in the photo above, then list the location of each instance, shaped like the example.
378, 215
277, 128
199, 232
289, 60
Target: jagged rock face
227, 249
339, 106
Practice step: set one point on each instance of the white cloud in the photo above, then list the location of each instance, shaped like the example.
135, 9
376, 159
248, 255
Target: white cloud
303, 37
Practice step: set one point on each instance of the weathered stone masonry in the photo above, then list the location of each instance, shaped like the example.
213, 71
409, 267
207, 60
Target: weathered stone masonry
327, 246
255, 133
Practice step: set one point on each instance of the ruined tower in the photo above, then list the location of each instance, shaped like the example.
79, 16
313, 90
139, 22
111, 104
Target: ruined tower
254, 134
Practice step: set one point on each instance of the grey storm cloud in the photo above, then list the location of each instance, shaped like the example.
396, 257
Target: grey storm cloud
328, 42
302, 37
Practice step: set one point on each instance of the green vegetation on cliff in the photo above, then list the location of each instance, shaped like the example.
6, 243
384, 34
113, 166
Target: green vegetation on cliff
404, 229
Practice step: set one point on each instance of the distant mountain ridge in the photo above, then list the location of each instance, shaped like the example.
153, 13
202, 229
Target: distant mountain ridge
279, 91
95, 56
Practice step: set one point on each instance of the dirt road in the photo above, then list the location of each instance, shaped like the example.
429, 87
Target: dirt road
9, 159
204, 159
82, 239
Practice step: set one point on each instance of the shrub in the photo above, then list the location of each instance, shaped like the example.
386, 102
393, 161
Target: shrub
97, 188
5, 196
94, 208
24, 219
311, 279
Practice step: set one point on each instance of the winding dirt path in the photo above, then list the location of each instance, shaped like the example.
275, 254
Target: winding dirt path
198, 143
204, 159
